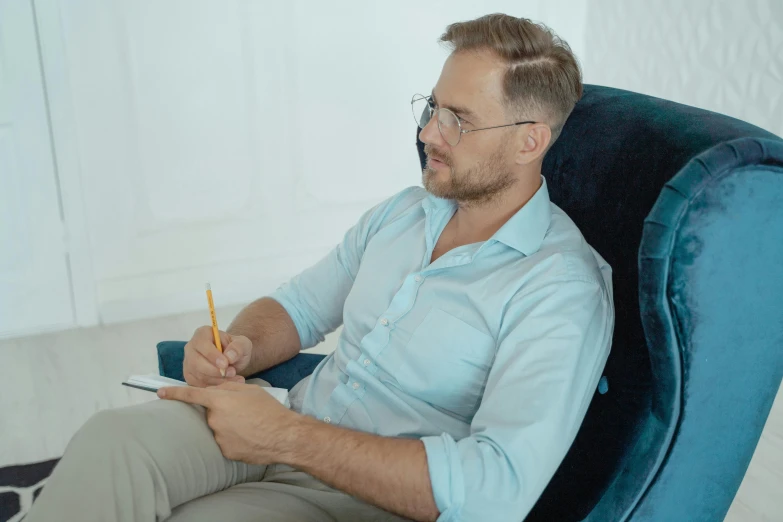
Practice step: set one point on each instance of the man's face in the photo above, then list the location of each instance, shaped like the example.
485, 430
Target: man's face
480, 166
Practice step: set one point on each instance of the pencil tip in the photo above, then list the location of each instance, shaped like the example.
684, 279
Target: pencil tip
209, 287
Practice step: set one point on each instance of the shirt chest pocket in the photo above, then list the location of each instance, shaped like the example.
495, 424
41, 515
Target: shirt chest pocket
446, 362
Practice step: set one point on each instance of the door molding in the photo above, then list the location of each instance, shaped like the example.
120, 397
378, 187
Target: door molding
54, 68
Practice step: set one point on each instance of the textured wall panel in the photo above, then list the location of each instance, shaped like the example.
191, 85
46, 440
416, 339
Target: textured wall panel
716, 54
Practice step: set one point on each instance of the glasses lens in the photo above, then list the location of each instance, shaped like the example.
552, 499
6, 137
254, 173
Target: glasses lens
449, 126
421, 110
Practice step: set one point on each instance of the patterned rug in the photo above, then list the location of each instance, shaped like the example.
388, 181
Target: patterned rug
20, 486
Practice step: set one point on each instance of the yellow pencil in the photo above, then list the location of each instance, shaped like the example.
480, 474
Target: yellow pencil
215, 331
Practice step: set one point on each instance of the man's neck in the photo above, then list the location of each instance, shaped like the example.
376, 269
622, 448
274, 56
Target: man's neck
479, 222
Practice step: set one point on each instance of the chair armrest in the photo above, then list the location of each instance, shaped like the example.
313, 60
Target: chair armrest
285, 375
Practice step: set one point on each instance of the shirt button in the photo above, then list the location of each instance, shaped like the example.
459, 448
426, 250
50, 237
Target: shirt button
367, 362
417, 279
327, 420
356, 386
384, 321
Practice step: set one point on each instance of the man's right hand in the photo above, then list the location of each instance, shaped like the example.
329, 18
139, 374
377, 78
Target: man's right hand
203, 361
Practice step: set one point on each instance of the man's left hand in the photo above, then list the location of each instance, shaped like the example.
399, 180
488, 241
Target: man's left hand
248, 423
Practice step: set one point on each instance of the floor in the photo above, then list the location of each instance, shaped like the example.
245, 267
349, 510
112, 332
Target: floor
51, 384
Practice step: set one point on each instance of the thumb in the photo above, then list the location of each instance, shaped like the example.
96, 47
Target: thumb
238, 349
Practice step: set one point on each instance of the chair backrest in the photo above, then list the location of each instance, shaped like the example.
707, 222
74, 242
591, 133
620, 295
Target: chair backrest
607, 170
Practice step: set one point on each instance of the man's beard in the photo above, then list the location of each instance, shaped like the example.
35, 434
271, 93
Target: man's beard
477, 185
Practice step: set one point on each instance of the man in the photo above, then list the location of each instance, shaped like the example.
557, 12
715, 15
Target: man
477, 321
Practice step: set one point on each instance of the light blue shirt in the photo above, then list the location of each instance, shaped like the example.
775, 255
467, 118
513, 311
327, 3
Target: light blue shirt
490, 355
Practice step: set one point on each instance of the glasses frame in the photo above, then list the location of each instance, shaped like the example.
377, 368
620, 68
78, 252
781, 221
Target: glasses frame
433, 110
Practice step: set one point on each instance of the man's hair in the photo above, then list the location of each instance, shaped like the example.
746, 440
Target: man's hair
543, 77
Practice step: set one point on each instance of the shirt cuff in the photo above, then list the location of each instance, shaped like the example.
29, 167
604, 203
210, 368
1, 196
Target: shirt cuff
306, 339
446, 477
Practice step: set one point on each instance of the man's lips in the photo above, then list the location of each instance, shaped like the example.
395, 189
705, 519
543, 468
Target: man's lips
434, 162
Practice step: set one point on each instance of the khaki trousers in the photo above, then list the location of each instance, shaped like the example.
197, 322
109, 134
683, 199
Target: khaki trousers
159, 461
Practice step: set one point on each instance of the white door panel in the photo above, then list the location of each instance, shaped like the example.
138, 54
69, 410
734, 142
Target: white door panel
188, 150
35, 292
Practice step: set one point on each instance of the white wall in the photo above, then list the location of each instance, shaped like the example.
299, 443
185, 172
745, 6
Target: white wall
234, 141
721, 55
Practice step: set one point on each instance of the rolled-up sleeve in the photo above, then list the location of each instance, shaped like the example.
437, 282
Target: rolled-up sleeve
552, 347
315, 298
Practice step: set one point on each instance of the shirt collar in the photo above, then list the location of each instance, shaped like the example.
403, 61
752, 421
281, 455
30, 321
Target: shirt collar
524, 231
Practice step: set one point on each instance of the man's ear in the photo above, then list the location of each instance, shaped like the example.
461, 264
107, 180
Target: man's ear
536, 140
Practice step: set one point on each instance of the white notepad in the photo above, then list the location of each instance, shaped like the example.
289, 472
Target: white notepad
153, 382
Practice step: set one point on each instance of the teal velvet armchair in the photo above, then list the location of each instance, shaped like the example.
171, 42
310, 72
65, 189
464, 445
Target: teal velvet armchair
687, 207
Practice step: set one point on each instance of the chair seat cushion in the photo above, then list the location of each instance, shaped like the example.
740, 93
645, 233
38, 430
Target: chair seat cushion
171, 355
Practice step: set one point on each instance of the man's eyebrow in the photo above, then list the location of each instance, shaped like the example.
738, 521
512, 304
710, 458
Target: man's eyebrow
459, 111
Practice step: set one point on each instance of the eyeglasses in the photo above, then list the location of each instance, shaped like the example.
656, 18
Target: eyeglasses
449, 123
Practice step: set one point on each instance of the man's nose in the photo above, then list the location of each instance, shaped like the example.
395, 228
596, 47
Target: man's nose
430, 134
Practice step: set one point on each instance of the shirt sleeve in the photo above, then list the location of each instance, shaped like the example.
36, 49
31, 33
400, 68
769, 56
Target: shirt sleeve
315, 298
552, 347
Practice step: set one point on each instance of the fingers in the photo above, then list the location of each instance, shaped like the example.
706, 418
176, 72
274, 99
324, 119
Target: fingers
201, 364
194, 377
199, 371
204, 365
204, 334
203, 342
201, 396
233, 376
225, 338
221, 361
188, 394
